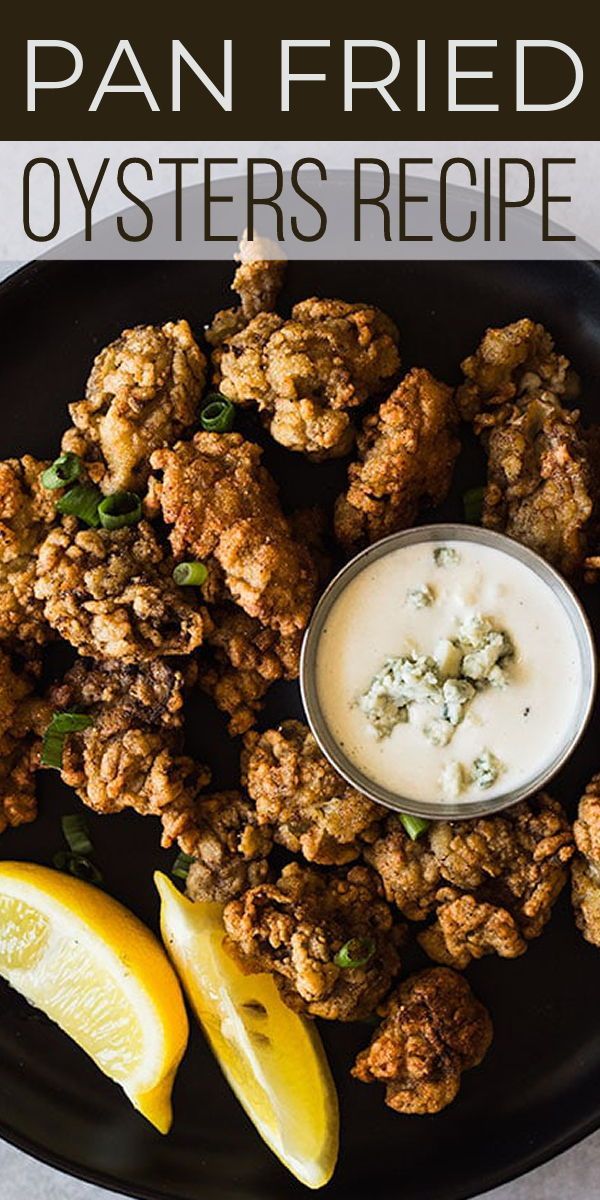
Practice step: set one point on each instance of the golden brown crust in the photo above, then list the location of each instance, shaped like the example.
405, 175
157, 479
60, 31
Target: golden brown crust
23, 719
221, 503
434, 1029
27, 511
509, 361
129, 757
111, 594
542, 476
230, 847
305, 373
295, 927
586, 864
406, 455
258, 282
143, 392
489, 883
310, 807
241, 659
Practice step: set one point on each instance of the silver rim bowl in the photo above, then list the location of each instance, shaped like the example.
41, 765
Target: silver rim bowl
444, 809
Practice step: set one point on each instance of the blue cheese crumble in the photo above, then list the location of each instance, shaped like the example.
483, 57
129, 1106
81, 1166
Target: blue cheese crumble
420, 597
482, 773
445, 556
446, 682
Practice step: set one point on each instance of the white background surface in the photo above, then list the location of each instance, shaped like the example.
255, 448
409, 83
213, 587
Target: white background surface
575, 1175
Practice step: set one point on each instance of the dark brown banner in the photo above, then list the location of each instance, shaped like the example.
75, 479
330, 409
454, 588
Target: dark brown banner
389, 71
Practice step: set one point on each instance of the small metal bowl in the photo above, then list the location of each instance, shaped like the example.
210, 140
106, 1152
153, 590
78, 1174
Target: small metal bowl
444, 533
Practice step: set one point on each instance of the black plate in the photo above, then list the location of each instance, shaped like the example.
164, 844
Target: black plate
539, 1088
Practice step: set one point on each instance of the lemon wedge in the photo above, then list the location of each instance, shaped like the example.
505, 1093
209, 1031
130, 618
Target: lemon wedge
272, 1058
91, 966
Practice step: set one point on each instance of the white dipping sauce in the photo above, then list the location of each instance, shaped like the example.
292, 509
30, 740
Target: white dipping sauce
524, 725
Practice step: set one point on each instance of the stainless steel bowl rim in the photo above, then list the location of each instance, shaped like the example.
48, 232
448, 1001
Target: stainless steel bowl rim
445, 532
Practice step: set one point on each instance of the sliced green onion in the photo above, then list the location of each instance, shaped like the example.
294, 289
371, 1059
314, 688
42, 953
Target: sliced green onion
473, 505
355, 953
81, 501
119, 509
77, 865
218, 414
190, 573
54, 738
182, 865
76, 834
414, 826
64, 471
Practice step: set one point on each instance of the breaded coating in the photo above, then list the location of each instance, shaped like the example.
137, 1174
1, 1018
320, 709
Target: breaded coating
27, 511
23, 718
154, 695
296, 927
231, 848
257, 280
241, 659
129, 757
110, 593
542, 479
586, 864
489, 883
406, 455
143, 392
222, 503
541, 485
434, 1028
312, 810
468, 928
304, 374
408, 869
258, 283
510, 362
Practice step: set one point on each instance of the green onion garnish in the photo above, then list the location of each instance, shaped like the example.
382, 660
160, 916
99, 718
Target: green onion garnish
182, 865
355, 953
53, 743
473, 505
63, 472
76, 834
414, 826
77, 865
81, 501
120, 509
190, 573
218, 414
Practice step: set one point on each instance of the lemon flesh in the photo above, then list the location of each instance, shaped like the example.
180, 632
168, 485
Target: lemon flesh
272, 1058
99, 973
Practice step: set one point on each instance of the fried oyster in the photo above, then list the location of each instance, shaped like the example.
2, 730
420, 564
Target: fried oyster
111, 594
304, 374
27, 511
406, 455
434, 1028
297, 792
542, 481
303, 926
258, 281
130, 755
143, 392
241, 659
488, 883
23, 719
230, 847
586, 864
222, 504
